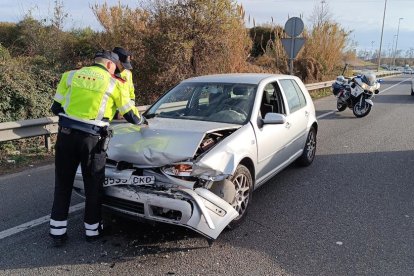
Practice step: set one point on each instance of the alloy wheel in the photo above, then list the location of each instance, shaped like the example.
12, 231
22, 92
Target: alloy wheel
241, 200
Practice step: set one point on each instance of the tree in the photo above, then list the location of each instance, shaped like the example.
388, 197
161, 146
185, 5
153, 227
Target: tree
177, 39
320, 14
327, 41
410, 53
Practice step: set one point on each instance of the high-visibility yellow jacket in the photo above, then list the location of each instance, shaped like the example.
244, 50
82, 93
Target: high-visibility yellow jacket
127, 76
93, 94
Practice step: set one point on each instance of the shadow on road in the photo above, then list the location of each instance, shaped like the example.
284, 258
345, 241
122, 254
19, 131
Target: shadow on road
396, 80
395, 99
347, 214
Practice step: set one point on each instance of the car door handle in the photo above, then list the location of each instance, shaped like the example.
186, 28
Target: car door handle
306, 113
288, 125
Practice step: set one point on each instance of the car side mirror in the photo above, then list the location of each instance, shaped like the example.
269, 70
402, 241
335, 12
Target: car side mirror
274, 119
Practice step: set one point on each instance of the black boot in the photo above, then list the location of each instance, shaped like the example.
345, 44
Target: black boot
59, 240
101, 233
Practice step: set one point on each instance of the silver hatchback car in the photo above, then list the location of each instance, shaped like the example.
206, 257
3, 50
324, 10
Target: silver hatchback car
210, 141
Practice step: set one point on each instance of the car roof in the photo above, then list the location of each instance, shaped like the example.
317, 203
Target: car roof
248, 78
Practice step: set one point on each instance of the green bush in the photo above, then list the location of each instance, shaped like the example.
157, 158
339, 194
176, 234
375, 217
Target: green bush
4, 54
27, 87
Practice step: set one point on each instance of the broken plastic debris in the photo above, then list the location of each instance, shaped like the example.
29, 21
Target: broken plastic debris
339, 243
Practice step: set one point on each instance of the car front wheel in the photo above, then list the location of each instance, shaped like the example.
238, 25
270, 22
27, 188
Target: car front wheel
243, 182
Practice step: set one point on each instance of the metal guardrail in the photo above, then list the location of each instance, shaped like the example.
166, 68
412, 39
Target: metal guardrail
35, 127
319, 85
29, 128
48, 125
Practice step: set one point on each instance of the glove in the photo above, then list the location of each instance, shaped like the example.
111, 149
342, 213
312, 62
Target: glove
143, 121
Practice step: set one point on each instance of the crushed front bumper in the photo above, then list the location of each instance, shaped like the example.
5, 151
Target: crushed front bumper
197, 209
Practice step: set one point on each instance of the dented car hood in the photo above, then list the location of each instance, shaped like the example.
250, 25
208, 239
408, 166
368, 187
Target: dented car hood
163, 141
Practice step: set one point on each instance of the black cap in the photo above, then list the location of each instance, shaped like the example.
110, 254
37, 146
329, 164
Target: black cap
108, 55
124, 57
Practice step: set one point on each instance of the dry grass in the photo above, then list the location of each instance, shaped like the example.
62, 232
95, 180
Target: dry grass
18, 163
320, 93
22, 154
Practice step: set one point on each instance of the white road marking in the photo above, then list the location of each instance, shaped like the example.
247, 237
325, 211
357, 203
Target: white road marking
326, 114
36, 222
386, 89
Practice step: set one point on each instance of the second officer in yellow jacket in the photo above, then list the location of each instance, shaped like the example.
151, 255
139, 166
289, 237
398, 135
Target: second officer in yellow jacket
125, 70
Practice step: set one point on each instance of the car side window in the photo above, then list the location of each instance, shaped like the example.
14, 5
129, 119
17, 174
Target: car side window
294, 95
302, 98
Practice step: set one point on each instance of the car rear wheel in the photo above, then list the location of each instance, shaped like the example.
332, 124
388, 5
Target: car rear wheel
310, 149
243, 182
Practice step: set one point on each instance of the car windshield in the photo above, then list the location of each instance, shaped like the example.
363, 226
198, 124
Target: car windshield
215, 102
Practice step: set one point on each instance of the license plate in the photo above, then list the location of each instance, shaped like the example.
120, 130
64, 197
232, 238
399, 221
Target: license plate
133, 180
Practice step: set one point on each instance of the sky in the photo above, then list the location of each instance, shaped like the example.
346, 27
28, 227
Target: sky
362, 17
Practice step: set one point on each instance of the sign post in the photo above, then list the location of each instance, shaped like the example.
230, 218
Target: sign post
293, 28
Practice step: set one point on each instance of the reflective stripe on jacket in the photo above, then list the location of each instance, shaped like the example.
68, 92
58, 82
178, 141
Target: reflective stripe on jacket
92, 93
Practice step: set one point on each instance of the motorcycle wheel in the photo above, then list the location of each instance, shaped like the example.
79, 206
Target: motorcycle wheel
361, 111
340, 106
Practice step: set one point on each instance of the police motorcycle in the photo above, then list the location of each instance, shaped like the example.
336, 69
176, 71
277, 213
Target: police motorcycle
356, 93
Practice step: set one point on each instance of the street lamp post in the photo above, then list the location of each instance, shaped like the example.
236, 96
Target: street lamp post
372, 50
396, 42
392, 51
382, 33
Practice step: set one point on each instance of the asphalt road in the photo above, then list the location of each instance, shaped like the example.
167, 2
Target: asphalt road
350, 213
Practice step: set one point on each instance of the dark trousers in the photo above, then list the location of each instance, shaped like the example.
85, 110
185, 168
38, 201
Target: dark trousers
74, 148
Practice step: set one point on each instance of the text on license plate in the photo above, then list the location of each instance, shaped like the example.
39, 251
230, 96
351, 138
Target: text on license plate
133, 180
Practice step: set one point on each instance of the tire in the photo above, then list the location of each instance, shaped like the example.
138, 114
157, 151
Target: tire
309, 150
361, 113
243, 182
340, 106
412, 91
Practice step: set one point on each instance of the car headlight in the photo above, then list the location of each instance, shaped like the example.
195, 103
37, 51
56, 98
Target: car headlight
179, 169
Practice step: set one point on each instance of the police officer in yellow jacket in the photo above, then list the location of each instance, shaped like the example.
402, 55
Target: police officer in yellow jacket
86, 100
125, 70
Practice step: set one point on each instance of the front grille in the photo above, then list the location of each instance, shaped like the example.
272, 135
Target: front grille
132, 206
